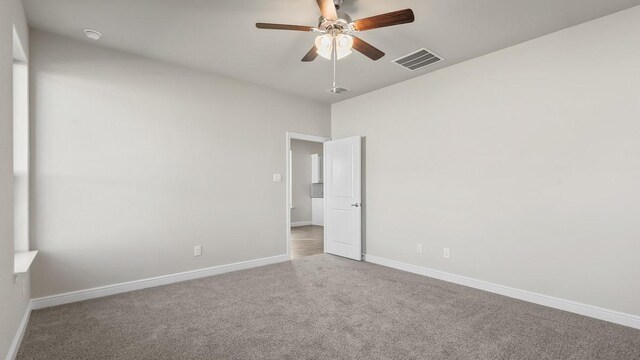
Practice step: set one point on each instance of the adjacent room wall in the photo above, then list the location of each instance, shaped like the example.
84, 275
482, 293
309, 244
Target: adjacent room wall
136, 161
524, 162
301, 176
14, 296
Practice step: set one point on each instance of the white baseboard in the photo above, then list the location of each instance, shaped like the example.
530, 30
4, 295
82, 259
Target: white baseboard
17, 339
550, 301
300, 223
80, 295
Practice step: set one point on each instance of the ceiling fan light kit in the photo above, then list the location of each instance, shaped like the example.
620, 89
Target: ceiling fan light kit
325, 43
337, 28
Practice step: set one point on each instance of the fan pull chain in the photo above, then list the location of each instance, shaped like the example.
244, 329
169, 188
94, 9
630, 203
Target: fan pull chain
335, 58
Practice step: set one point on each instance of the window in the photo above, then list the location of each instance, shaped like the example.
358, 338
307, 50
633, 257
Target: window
290, 178
23, 256
20, 156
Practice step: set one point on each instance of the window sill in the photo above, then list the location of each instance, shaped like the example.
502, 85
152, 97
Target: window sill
22, 261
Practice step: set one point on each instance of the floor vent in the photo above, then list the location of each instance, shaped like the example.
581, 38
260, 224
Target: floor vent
418, 59
338, 90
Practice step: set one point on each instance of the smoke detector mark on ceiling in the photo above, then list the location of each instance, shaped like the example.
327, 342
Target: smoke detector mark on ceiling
93, 34
418, 59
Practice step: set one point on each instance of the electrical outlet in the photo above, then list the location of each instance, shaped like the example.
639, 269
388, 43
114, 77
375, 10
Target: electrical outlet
277, 177
445, 253
197, 250
419, 248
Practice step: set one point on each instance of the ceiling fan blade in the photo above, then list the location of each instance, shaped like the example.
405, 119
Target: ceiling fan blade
382, 20
283, 27
328, 9
311, 55
367, 49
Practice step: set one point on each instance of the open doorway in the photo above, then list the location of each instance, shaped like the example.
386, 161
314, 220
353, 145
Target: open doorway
305, 195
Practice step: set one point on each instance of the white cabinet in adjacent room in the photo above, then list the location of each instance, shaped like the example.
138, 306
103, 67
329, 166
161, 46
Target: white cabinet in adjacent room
317, 211
316, 168
317, 201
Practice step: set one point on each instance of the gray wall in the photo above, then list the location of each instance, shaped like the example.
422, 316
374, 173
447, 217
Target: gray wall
136, 161
301, 175
13, 296
524, 162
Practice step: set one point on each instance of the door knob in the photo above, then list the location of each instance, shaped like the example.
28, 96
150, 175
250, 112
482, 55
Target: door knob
356, 204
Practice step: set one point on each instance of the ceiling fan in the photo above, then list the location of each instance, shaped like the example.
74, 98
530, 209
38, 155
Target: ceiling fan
337, 31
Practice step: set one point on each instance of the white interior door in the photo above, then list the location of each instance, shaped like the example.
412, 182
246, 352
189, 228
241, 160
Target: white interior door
342, 194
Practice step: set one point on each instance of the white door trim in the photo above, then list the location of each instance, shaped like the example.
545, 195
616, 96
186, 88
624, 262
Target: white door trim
296, 136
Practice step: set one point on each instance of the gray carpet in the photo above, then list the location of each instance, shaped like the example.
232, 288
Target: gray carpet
319, 307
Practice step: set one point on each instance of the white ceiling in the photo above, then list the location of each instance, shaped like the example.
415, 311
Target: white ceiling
220, 36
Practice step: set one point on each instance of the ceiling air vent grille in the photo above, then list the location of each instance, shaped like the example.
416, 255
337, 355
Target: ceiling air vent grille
338, 90
418, 59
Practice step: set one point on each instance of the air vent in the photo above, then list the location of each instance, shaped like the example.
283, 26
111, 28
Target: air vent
418, 59
338, 90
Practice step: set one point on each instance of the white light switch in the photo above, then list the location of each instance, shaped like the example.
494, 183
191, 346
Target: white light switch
277, 177
197, 250
419, 248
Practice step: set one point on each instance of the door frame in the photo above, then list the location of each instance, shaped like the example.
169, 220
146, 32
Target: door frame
305, 137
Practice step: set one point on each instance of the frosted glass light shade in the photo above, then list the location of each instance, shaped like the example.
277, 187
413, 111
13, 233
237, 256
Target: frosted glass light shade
343, 45
324, 45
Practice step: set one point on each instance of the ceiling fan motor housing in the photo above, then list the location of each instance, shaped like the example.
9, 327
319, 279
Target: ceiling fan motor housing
342, 23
